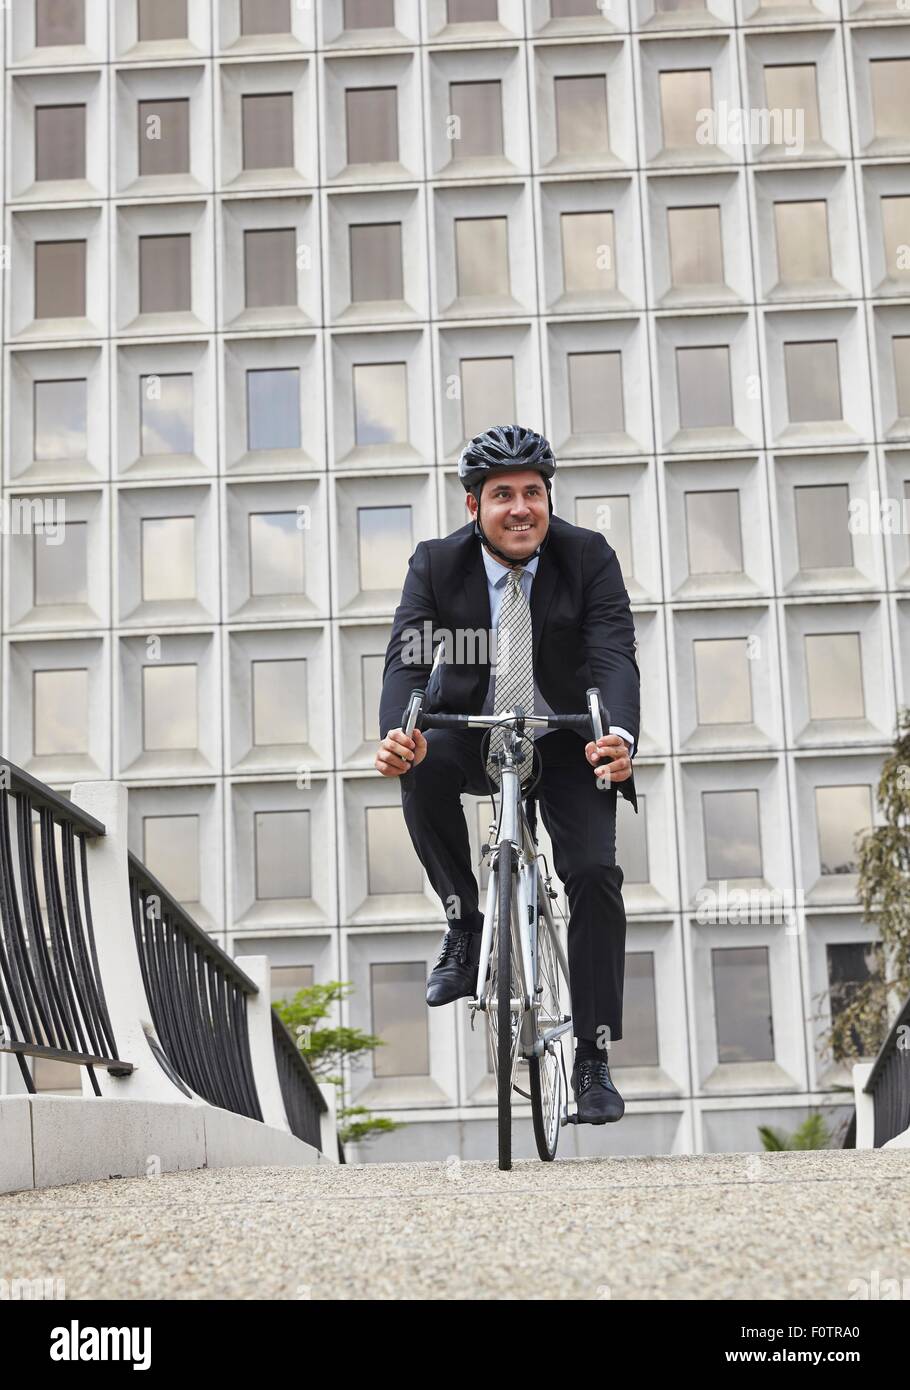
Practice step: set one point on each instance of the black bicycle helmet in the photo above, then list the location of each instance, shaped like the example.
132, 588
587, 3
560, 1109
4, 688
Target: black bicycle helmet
500, 449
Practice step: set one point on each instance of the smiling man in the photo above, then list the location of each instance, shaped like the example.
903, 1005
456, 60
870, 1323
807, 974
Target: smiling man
555, 591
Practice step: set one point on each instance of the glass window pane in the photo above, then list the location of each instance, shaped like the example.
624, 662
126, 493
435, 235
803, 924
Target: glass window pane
276, 553
696, 250
59, 279
381, 403
570, 9
273, 408
683, 95
792, 99
59, 22
834, 671
392, 865
482, 255
164, 274
802, 242
588, 251
369, 14
60, 706
595, 392
371, 670
60, 420
168, 558
742, 1004
385, 545
169, 705
282, 854
732, 839
703, 378
265, 16
477, 107
59, 142
638, 1045
612, 516
487, 393
162, 19
61, 570
472, 11
902, 374
372, 124
581, 115
288, 979
279, 702
813, 381
822, 533
170, 852
632, 841
166, 413
164, 136
268, 131
376, 268
842, 813
896, 236
723, 685
713, 533
890, 106
850, 963
398, 996
270, 267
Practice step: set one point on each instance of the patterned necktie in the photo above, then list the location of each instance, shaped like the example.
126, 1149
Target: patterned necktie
514, 684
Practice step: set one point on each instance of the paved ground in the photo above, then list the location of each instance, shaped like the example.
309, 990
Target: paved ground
724, 1226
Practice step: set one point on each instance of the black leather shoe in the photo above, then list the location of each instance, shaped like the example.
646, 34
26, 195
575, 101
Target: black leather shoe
599, 1102
454, 976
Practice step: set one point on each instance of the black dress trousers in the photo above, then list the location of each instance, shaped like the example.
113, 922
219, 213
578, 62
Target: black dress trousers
581, 823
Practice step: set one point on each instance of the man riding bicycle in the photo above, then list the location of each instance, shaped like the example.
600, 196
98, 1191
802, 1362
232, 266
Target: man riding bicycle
553, 595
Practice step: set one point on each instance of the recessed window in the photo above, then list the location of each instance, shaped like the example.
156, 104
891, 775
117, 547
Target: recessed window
696, 250
59, 22
60, 705
632, 843
588, 252
723, 688
168, 558
381, 403
822, 534
813, 381
684, 99
703, 380
376, 267
896, 236
268, 131
714, 533
61, 410
371, 672
671, 6
162, 19
392, 865
732, 839
472, 11
288, 980
842, 814
571, 9
369, 14
372, 124
890, 106
613, 517
166, 413
482, 255
265, 17
477, 108
791, 91
165, 275
742, 1004
803, 253
276, 553
487, 392
279, 702
581, 115
638, 1045
270, 268
273, 408
850, 964
59, 279
61, 566
834, 671
398, 996
170, 852
59, 142
385, 544
901, 347
595, 392
282, 854
169, 707
164, 136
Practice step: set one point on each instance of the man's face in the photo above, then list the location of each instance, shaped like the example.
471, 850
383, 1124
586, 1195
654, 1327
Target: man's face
514, 512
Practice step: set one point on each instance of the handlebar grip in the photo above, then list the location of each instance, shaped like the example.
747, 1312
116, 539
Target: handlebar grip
600, 722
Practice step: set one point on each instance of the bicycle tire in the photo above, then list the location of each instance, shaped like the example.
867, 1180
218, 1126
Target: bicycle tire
504, 1005
543, 1108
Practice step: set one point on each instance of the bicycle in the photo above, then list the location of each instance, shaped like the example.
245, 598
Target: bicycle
525, 995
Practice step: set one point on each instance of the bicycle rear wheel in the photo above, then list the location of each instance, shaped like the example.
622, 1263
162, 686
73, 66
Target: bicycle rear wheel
547, 1072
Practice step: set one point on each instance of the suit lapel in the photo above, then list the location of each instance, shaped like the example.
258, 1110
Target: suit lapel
542, 590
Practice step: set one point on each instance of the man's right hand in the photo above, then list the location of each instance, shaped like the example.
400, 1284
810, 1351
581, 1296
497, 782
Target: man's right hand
398, 752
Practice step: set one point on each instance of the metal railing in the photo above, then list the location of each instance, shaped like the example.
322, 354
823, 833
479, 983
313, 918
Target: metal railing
304, 1103
889, 1081
51, 996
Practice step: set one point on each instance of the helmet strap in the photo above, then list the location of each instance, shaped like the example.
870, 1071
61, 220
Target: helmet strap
508, 559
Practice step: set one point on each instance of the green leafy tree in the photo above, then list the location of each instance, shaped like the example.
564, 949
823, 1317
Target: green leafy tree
327, 1047
811, 1134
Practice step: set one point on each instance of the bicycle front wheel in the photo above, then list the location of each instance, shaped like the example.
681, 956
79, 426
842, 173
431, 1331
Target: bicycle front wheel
505, 1040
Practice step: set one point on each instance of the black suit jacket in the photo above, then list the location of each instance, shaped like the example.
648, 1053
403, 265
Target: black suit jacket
583, 633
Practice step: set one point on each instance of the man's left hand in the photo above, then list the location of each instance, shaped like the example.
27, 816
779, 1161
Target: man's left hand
617, 765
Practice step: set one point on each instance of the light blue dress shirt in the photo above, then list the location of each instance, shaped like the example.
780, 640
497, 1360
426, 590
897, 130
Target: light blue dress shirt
497, 578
